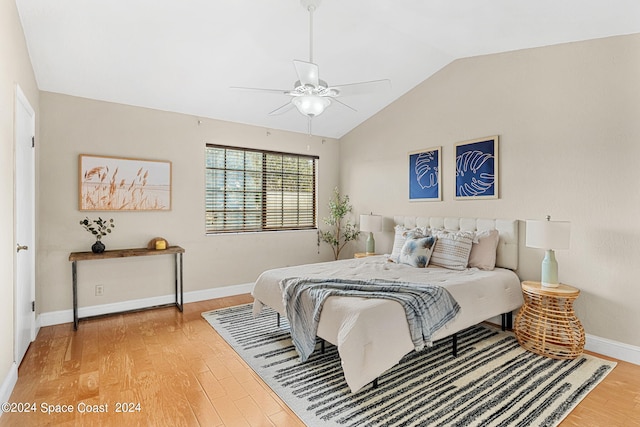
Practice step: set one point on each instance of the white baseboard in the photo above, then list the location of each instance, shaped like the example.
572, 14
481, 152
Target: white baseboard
606, 347
9, 382
213, 293
66, 316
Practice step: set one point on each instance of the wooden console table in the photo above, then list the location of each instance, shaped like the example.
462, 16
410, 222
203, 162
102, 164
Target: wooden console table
74, 257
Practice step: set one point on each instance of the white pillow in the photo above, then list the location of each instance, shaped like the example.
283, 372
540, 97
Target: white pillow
417, 251
452, 249
483, 252
402, 233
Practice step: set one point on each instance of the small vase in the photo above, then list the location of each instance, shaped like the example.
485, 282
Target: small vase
98, 247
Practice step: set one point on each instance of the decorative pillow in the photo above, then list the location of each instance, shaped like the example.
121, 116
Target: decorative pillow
402, 233
416, 251
483, 251
452, 249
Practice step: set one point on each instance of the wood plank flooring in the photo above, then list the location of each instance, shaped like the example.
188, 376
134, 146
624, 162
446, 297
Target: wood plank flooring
165, 368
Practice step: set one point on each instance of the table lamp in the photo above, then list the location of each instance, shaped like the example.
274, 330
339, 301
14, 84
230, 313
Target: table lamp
548, 235
371, 223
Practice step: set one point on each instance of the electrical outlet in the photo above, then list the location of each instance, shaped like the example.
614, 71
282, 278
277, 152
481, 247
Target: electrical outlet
99, 290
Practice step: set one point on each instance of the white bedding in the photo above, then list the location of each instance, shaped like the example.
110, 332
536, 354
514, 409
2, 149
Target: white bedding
372, 334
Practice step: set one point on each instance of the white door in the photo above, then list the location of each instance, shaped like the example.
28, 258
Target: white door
25, 225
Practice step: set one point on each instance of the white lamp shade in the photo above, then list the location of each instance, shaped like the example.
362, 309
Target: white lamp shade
311, 105
371, 223
548, 234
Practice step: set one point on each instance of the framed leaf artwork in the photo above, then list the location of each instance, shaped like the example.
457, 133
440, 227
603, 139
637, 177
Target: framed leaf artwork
477, 169
425, 175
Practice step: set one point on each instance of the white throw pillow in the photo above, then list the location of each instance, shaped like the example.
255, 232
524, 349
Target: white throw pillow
452, 249
483, 252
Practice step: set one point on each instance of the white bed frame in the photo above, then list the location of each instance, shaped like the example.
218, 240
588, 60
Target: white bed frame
507, 257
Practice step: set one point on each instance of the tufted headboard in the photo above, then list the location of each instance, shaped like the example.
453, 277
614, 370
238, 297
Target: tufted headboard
507, 256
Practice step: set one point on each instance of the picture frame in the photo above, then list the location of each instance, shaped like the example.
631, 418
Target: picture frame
123, 184
425, 175
476, 169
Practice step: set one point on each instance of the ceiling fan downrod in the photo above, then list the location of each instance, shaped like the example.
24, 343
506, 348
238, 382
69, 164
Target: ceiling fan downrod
311, 6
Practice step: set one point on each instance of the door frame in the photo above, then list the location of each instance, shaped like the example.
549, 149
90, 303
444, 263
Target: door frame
22, 101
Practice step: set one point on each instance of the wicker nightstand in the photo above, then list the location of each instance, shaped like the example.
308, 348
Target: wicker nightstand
546, 323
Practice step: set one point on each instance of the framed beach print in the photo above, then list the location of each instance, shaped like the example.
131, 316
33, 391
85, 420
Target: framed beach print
122, 184
477, 169
425, 175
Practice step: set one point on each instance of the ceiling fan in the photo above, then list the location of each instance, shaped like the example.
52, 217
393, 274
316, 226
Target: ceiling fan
311, 95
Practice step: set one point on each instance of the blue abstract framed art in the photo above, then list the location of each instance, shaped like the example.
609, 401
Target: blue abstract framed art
425, 175
477, 169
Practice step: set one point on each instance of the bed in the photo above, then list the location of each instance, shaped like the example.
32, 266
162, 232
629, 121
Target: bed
372, 335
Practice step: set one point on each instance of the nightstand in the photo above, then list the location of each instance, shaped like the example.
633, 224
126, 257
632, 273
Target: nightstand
362, 255
546, 323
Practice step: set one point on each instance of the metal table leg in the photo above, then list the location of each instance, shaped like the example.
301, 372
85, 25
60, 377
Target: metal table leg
179, 285
74, 275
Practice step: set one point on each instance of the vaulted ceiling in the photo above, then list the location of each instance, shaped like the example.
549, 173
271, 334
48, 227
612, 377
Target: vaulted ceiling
185, 55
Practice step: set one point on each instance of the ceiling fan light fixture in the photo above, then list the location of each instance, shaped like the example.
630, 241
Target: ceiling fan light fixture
311, 105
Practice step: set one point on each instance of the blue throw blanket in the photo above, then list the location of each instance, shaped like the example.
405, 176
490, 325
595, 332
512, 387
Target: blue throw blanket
428, 307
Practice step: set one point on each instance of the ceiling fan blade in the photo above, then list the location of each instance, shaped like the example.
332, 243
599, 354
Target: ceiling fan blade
255, 89
361, 88
280, 110
308, 73
348, 106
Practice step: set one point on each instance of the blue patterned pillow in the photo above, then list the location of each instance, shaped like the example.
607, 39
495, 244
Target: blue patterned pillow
417, 251
402, 234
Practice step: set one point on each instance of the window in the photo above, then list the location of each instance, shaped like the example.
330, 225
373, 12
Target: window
255, 190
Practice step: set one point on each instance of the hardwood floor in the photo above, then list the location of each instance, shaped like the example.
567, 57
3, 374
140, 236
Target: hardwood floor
165, 368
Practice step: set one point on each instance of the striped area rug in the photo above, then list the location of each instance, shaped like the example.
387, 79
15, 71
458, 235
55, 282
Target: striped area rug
492, 381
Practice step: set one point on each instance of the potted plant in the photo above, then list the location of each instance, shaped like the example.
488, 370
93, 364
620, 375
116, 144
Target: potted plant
341, 231
98, 227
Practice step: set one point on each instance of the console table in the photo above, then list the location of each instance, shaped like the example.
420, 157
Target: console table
74, 257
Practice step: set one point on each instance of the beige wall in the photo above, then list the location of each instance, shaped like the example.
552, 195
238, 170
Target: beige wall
568, 120
15, 67
71, 126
